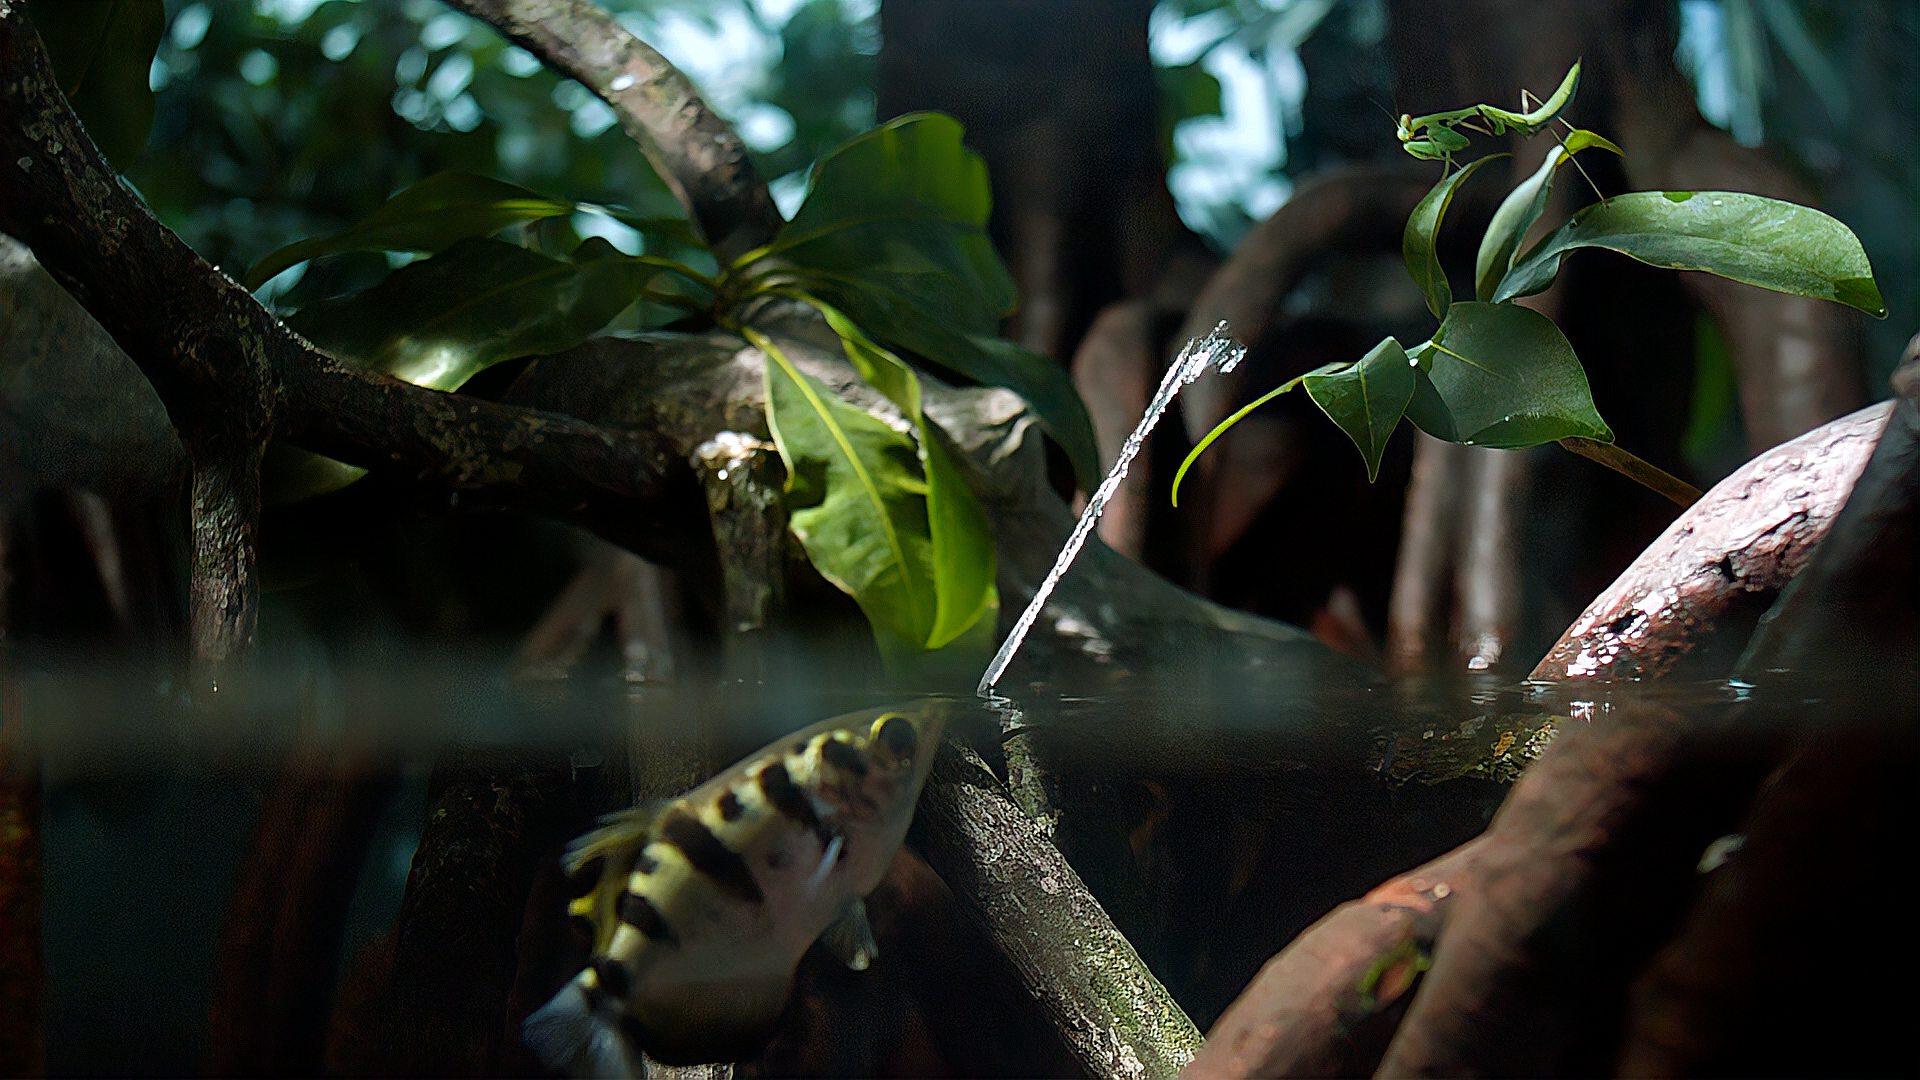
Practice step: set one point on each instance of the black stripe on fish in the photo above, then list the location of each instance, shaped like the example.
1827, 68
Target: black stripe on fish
785, 796
730, 806
612, 978
844, 756
710, 855
644, 863
638, 912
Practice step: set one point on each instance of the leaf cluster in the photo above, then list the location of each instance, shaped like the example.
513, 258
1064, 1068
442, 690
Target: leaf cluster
1497, 374
890, 248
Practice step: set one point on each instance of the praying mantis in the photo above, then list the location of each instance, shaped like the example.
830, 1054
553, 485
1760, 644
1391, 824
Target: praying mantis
1433, 137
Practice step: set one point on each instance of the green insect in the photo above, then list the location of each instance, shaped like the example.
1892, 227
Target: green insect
1433, 137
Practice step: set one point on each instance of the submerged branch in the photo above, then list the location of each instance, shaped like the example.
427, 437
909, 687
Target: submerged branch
1108, 1008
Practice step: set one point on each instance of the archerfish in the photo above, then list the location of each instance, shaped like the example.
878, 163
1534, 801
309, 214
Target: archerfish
703, 905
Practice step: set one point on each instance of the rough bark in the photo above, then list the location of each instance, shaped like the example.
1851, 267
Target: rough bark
231, 375
279, 946
1328, 1004
698, 154
1113, 1014
1587, 862
443, 1008
1739, 545
1852, 617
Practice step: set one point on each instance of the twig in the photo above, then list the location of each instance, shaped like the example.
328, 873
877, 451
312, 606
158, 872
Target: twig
1644, 473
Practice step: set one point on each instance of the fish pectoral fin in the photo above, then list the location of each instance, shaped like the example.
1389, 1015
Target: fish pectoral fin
620, 834
850, 937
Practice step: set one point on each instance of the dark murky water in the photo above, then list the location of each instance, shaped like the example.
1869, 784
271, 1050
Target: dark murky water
152, 790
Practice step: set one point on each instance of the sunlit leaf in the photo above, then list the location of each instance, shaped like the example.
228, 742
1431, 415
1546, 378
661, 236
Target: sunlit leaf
893, 233
1418, 244
101, 51
442, 320
1521, 209
432, 215
1504, 376
856, 499
1366, 399
1765, 242
962, 544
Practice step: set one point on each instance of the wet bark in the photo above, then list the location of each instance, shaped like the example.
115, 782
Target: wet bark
1115, 1017
1731, 552
1429, 535
1328, 1004
1852, 617
492, 818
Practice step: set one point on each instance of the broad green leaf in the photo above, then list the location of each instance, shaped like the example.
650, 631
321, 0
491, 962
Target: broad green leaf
856, 499
432, 215
1521, 209
1504, 376
1418, 243
962, 543
102, 51
889, 311
1765, 242
1240, 414
893, 233
442, 320
1366, 399
907, 198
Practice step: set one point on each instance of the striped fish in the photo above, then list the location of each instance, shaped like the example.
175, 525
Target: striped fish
703, 905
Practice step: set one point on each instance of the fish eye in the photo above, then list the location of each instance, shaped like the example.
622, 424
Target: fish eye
893, 734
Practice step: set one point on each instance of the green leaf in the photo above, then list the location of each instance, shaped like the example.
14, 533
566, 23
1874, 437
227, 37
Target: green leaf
1366, 399
1418, 243
102, 51
893, 233
1504, 376
1521, 209
442, 320
1765, 242
1240, 414
432, 215
962, 543
857, 500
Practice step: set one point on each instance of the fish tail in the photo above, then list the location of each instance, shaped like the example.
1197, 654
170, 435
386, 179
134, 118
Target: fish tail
578, 1033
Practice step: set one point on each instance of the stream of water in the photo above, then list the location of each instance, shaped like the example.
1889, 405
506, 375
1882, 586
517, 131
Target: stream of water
1216, 351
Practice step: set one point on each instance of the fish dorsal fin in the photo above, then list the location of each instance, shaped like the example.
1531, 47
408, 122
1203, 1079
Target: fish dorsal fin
616, 844
850, 937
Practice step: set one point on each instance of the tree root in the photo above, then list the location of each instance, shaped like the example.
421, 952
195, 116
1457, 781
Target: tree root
275, 962
1741, 543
